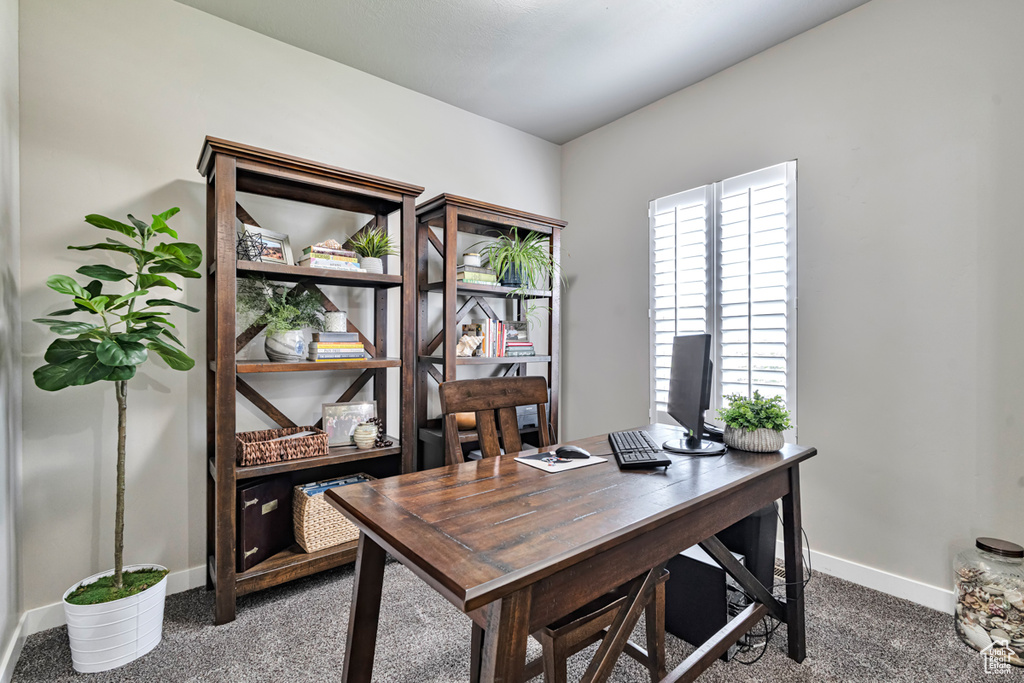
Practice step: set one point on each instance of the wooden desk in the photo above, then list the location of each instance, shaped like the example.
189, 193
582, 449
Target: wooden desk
516, 548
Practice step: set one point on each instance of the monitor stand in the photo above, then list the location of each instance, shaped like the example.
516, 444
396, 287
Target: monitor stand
693, 446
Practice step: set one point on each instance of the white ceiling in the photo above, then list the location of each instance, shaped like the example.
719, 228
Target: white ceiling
554, 68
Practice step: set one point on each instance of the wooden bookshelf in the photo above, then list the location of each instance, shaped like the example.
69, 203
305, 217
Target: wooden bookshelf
231, 168
438, 223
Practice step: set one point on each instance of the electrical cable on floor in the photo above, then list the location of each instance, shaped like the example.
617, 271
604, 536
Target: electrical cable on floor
769, 625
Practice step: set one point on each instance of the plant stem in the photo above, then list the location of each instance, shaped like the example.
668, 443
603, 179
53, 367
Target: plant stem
121, 391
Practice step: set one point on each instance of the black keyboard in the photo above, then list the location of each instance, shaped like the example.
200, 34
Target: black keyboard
637, 450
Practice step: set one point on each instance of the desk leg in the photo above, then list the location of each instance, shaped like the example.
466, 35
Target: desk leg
476, 648
364, 612
508, 628
791, 527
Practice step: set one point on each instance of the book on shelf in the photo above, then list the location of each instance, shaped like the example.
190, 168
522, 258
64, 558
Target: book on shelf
476, 277
321, 359
335, 336
336, 345
475, 269
313, 262
317, 249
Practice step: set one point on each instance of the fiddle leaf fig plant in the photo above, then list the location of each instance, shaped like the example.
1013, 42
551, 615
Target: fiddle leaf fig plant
124, 323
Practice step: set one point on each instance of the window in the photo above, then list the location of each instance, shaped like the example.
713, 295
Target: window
723, 261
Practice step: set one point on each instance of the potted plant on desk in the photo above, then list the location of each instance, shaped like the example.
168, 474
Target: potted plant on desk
285, 312
116, 616
755, 424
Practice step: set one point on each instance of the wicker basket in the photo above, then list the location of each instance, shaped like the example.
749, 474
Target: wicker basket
258, 448
318, 524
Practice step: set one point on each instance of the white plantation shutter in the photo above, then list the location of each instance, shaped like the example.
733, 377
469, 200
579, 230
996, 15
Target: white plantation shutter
741, 287
679, 264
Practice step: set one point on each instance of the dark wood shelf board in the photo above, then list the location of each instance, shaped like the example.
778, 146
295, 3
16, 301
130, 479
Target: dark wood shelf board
336, 456
468, 436
249, 367
483, 218
321, 276
479, 360
488, 290
291, 564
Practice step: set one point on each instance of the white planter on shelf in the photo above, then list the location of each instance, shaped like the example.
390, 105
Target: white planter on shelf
754, 440
371, 264
111, 634
285, 347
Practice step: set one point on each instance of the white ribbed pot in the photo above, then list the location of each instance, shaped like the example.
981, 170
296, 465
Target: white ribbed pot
371, 264
754, 440
111, 634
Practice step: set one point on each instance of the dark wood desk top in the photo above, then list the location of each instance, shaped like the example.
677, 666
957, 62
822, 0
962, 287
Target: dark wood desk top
481, 530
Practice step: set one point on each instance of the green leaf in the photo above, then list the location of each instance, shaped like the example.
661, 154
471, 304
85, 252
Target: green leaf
142, 333
171, 302
121, 352
109, 224
160, 225
51, 377
127, 297
121, 373
173, 266
168, 213
147, 281
94, 288
66, 311
168, 333
106, 246
64, 350
65, 326
66, 285
176, 359
188, 254
143, 229
101, 272
77, 372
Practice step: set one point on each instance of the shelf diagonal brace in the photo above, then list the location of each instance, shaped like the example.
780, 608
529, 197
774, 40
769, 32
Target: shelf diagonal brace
485, 307
435, 373
258, 400
511, 369
329, 306
351, 392
459, 315
435, 241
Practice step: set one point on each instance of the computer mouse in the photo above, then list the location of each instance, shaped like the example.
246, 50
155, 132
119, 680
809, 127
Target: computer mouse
571, 452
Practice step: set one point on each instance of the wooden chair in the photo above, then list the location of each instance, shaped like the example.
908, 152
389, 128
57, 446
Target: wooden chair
494, 400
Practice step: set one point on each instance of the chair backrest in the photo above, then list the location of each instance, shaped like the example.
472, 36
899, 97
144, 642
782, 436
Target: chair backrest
494, 401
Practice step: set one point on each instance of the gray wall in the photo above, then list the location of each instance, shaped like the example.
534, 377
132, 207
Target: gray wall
117, 96
10, 327
905, 118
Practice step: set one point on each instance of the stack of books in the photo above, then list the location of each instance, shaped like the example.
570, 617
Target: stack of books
318, 256
517, 339
519, 348
474, 275
336, 346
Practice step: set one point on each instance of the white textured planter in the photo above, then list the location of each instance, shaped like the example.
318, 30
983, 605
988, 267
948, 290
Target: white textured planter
285, 347
755, 440
371, 264
111, 634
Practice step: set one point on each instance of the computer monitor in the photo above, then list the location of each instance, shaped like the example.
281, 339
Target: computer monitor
689, 393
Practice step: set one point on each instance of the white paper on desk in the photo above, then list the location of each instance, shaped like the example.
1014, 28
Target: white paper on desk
549, 462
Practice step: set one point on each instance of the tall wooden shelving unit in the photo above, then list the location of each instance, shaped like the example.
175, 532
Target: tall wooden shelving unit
437, 362
230, 168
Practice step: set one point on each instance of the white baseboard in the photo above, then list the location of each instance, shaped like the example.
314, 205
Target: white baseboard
11, 651
52, 616
925, 594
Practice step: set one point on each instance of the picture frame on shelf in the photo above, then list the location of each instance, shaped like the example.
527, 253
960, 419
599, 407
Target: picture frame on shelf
341, 420
517, 330
277, 247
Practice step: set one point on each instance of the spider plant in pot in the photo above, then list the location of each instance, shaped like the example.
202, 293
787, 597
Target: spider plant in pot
372, 245
116, 616
522, 262
284, 311
756, 423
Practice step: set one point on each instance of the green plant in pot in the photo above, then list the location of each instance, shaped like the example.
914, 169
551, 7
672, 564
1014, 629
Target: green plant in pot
372, 245
756, 423
125, 324
522, 262
284, 311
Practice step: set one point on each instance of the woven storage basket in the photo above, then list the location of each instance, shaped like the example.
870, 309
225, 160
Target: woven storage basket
318, 524
258, 448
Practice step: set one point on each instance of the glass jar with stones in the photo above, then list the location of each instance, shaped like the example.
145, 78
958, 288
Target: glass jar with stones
989, 591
